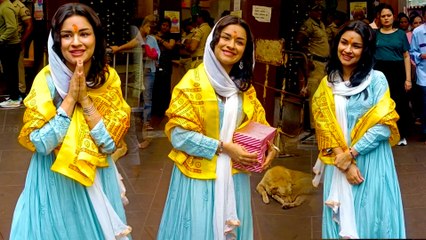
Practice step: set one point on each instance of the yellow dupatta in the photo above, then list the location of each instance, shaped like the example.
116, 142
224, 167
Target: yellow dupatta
78, 156
328, 131
194, 107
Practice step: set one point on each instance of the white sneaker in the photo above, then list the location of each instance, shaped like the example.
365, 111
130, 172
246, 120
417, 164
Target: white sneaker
402, 142
9, 103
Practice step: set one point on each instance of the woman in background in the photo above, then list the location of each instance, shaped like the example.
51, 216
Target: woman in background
207, 198
74, 119
393, 60
355, 127
163, 77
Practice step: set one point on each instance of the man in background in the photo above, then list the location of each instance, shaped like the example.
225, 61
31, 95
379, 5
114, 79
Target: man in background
25, 28
312, 39
198, 41
10, 47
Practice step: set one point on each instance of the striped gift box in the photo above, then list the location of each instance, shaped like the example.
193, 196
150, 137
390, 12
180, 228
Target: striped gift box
254, 137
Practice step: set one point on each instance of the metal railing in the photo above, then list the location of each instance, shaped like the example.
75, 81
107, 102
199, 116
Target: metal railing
137, 86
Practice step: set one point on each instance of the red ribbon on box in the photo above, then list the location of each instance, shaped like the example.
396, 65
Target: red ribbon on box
254, 137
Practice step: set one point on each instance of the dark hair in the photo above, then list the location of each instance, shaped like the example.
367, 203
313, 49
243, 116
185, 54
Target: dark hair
205, 15
241, 77
386, 6
365, 63
165, 20
98, 69
402, 15
414, 16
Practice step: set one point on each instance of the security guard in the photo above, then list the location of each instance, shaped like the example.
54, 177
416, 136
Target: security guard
199, 39
313, 40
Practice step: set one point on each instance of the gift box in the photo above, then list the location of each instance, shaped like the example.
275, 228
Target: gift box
254, 137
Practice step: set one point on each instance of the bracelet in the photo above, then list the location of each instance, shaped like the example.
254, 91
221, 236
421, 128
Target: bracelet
219, 147
89, 111
352, 155
275, 147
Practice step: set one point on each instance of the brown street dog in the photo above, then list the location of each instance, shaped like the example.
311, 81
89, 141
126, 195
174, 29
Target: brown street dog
289, 187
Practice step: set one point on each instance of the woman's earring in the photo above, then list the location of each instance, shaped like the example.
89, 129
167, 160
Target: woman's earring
241, 65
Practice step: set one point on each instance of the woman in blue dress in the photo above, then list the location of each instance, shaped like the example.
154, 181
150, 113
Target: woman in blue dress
208, 198
75, 118
356, 126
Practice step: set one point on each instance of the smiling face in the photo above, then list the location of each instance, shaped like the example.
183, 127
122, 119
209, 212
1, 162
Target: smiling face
77, 41
230, 48
349, 51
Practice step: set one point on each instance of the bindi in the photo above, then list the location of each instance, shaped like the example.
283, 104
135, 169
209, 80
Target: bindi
75, 28
234, 34
350, 40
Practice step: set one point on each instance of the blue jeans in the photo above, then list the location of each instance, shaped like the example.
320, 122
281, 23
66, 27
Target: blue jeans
148, 82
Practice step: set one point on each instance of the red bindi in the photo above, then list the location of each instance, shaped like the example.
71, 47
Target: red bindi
75, 28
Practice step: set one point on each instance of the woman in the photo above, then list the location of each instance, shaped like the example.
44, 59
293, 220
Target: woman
151, 54
75, 118
356, 126
208, 199
163, 77
415, 21
404, 24
393, 59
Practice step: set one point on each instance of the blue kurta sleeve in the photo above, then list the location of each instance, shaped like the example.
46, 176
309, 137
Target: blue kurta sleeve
51, 134
48, 137
372, 138
102, 138
193, 143
378, 133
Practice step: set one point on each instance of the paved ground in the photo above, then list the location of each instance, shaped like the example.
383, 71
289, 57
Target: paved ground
147, 172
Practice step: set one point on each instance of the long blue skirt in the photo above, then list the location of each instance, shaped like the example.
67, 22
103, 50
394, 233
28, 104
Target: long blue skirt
53, 207
377, 201
189, 208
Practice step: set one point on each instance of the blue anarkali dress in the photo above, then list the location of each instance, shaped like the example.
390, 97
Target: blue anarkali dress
53, 206
377, 200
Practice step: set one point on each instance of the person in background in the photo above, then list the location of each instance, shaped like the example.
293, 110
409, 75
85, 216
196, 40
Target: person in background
151, 54
10, 48
355, 128
198, 40
415, 21
393, 59
375, 23
207, 198
188, 30
338, 18
74, 119
404, 24
25, 28
415, 95
313, 40
418, 54
163, 77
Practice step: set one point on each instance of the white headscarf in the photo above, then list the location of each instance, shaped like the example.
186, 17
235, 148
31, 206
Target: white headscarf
225, 213
61, 74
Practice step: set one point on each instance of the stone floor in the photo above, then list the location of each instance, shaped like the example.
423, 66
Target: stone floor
147, 172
